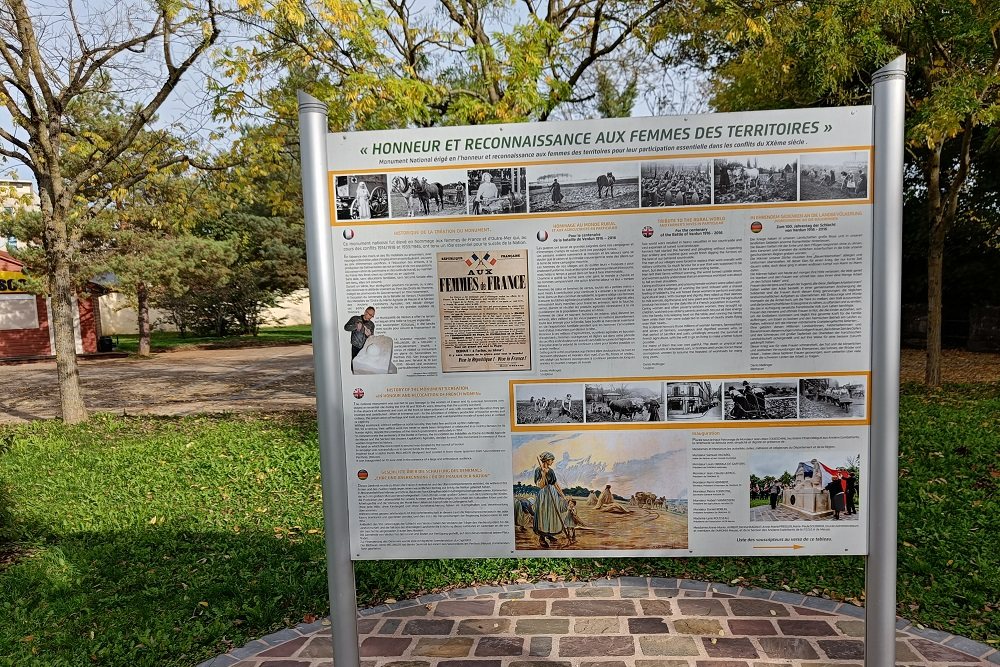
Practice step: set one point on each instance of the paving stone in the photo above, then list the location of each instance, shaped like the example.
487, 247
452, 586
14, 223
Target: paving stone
647, 625
694, 594
464, 608
540, 647
662, 582
453, 647
285, 650
756, 593
938, 653
549, 593
512, 595
729, 647
687, 584
665, 645
706, 607
593, 608
666, 592
788, 596
376, 647
286, 663
389, 626
722, 663
542, 626
365, 626
607, 645
219, 661
744, 607
407, 663
594, 592
522, 607
408, 612
851, 628
604, 663
494, 646
966, 645
483, 626
851, 610
752, 626
461, 593
661, 663
843, 649
539, 663
936, 636
520, 587
597, 626
634, 582
807, 611
248, 650
797, 628
319, 647
772, 664
431, 597
656, 607
820, 603
489, 589
904, 653
634, 593
694, 626
469, 663
428, 626
788, 647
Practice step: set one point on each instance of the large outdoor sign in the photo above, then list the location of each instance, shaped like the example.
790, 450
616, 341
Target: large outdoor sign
644, 336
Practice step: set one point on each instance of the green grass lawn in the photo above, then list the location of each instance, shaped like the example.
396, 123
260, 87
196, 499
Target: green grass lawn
164, 541
162, 341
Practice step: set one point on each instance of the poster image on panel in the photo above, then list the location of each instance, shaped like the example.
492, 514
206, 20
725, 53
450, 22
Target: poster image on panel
361, 197
417, 194
839, 175
756, 178
804, 485
483, 306
586, 186
693, 400
497, 191
625, 401
678, 182
761, 398
607, 491
557, 403
833, 397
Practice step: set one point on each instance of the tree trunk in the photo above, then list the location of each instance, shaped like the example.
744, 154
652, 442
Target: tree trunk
64, 333
935, 285
142, 296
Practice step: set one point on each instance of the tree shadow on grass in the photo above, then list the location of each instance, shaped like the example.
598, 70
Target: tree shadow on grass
154, 596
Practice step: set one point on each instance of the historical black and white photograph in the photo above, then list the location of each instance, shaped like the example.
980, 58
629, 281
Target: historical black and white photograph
833, 397
556, 403
420, 194
693, 400
834, 176
625, 401
583, 187
361, 197
817, 485
676, 183
761, 398
758, 178
500, 190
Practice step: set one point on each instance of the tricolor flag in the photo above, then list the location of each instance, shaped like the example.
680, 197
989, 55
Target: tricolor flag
487, 258
827, 473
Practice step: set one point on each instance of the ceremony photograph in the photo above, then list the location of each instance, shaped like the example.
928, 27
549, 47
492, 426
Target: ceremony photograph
817, 485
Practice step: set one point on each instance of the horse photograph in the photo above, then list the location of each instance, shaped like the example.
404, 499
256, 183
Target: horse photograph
756, 179
583, 187
676, 183
437, 193
832, 176
497, 191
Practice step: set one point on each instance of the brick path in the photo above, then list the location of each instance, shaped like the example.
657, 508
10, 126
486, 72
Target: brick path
627, 622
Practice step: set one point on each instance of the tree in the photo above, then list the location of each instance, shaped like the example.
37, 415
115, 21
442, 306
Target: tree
50, 61
820, 52
399, 63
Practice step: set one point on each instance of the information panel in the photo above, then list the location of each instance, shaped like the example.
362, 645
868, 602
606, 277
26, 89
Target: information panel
645, 336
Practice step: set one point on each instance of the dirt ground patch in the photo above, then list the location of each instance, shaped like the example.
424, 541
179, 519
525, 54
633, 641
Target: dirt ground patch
266, 379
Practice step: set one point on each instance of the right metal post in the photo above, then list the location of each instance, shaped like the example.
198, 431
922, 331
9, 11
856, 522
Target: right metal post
889, 98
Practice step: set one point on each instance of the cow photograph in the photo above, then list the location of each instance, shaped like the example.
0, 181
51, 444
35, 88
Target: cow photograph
632, 402
600, 490
761, 398
693, 400
833, 176
421, 194
681, 182
760, 178
583, 187
497, 191
555, 403
833, 397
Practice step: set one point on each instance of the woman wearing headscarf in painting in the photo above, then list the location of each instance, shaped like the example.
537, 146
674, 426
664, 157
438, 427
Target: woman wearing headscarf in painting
363, 198
551, 501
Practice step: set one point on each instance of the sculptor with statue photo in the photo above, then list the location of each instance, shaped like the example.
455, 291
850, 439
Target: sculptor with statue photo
370, 354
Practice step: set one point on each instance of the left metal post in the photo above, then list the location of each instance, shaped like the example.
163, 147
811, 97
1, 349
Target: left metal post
329, 388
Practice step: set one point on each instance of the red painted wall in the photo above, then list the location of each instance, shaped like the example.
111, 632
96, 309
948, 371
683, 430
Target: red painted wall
88, 330
28, 342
